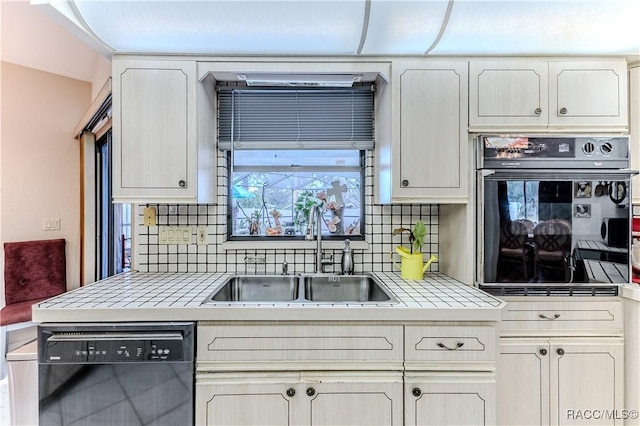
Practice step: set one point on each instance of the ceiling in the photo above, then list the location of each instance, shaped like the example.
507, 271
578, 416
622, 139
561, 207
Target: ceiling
355, 27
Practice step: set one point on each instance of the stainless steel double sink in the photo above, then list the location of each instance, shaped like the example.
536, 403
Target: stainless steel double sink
304, 288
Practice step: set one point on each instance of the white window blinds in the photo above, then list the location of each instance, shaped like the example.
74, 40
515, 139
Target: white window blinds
309, 118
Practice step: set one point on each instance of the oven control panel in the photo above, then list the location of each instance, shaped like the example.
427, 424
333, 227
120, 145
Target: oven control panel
550, 152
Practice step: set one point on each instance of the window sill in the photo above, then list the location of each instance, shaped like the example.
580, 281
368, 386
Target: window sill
283, 245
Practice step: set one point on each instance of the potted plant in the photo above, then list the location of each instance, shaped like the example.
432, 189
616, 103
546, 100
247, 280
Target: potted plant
416, 236
412, 265
301, 208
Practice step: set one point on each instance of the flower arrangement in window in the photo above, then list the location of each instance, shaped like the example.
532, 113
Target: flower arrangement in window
335, 224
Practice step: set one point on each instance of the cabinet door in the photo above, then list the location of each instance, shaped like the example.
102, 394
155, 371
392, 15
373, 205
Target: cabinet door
523, 382
155, 150
585, 377
589, 94
431, 148
247, 401
353, 403
450, 399
634, 128
506, 94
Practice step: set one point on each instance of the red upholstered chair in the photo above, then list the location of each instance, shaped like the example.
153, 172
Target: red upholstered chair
33, 271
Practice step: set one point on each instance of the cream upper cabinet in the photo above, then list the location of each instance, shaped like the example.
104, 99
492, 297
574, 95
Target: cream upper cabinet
429, 132
634, 128
155, 139
588, 94
522, 94
508, 93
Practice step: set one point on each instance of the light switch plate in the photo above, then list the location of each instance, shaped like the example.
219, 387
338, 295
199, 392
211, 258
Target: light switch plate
149, 216
174, 235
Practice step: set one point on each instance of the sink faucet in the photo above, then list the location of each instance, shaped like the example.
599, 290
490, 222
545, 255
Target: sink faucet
315, 213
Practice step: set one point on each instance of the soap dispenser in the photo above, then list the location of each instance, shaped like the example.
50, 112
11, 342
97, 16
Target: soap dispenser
347, 259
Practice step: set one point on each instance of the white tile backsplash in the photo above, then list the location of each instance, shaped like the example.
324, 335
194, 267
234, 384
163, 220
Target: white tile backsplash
380, 220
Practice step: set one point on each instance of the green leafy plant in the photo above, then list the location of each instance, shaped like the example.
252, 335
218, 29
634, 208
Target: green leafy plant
416, 236
306, 200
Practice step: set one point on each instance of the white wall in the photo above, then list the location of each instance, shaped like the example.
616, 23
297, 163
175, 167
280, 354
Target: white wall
40, 161
48, 79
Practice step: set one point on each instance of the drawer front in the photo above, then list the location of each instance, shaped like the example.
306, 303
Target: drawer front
578, 316
455, 343
273, 343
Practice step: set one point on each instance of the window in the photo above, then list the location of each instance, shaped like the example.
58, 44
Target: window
291, 149
113, 250
271, 192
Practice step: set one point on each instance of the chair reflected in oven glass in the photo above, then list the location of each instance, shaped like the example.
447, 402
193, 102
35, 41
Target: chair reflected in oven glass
552, 242
513, 256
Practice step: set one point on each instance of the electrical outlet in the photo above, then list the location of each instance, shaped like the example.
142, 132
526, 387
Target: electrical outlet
201, 235
149, 216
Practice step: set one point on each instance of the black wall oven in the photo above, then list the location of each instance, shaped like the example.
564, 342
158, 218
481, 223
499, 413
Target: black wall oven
553, 214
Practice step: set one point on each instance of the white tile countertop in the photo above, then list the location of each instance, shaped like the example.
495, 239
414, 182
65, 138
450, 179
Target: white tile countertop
170, 296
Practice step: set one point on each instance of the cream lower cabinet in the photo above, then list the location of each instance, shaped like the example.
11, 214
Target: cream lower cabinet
299, 374
449, 399
345, 374
450, 374
561, 363
299, 399
561, 381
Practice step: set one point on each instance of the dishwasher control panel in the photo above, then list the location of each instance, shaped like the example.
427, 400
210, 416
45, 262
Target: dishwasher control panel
112, 346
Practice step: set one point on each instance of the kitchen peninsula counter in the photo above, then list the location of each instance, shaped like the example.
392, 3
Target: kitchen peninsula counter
177, 296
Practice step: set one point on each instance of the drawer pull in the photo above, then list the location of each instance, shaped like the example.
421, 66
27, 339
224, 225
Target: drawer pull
543, 316
291, 392
443, 346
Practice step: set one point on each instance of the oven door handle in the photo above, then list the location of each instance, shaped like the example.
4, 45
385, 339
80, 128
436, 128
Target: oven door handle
549, 174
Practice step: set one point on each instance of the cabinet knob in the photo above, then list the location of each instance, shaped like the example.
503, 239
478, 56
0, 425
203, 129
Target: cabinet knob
538, 111
404, 183
311, 391
416, 392
182, 184
563, 110
291, 392
560, 351
543, 352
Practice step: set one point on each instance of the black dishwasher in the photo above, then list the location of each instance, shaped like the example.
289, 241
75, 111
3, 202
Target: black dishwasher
116, 373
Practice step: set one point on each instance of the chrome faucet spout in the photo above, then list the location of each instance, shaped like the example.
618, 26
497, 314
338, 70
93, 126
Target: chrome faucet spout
315, 218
